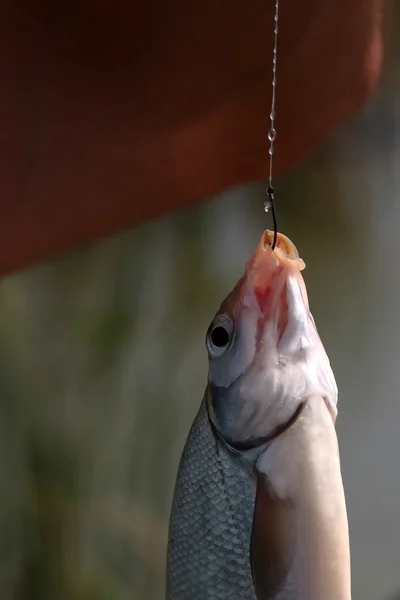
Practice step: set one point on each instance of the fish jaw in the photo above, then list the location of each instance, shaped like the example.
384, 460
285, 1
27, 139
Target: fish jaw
285, 326
260, 293
302, 468
268, 267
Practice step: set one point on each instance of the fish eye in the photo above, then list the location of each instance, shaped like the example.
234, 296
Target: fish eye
219, 336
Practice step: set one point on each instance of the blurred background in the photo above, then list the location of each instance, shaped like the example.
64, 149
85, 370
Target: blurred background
103, 366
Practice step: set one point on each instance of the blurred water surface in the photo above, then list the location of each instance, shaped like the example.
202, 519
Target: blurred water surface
103, 366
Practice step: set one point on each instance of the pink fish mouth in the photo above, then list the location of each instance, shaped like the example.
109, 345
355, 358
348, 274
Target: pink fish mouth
285, 251
268, 270
266, 263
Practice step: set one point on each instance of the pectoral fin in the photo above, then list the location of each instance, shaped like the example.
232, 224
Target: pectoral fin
270, 558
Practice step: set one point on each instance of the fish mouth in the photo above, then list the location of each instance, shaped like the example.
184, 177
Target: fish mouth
284, 253
253, 443
268, 270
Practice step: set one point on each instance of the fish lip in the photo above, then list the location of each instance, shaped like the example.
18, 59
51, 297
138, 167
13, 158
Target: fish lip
285, 252
261, 442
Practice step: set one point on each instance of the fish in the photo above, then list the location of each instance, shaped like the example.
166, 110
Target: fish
259, 510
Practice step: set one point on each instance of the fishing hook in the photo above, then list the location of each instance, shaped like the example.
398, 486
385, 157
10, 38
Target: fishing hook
271, 205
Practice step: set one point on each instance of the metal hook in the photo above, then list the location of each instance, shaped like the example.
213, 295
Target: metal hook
271, 205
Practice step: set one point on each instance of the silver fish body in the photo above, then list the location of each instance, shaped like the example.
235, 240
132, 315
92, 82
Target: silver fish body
259, 510
211, 520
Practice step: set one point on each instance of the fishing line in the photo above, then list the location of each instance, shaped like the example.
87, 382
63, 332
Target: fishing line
269, 203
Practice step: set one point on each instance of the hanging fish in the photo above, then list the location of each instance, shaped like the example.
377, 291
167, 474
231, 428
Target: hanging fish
259, 510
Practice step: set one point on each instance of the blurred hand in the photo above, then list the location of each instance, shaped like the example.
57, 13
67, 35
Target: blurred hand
113, 113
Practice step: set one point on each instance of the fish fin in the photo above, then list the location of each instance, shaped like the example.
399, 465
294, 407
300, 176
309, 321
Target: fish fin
270, 560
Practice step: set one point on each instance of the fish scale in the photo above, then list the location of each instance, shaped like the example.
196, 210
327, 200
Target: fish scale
211, 519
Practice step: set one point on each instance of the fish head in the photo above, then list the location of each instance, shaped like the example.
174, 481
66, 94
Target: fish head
265, 354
